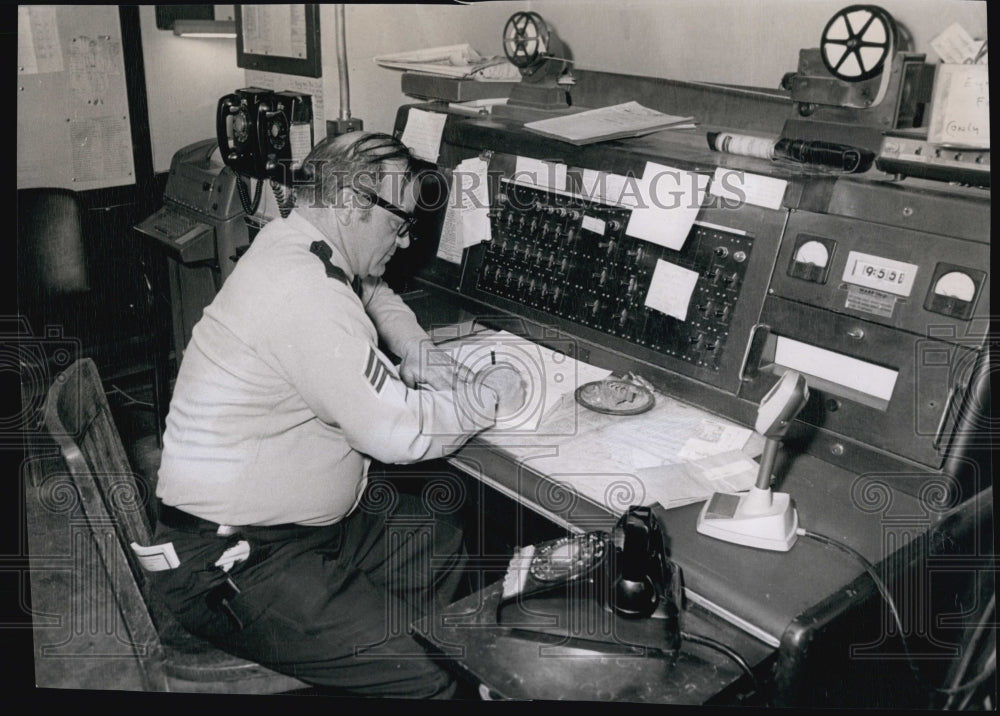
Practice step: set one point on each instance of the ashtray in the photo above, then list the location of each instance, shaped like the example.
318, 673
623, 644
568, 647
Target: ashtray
615, 397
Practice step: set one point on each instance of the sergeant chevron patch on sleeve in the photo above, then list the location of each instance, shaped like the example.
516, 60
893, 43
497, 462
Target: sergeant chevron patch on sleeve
375, 371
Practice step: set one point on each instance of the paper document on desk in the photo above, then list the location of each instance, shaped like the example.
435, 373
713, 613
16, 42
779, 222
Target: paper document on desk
549, 373
620, 121
697, 480
614, 460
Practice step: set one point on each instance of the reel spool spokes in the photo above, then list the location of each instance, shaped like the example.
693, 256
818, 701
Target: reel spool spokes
525, 39
857, 41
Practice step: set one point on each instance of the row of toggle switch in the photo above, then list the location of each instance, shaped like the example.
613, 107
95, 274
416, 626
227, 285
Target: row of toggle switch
574, 261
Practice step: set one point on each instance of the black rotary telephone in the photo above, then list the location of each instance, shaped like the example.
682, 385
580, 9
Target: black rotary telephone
627, 573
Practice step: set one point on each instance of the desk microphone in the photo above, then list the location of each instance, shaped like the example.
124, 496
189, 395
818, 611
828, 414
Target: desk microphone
761, 518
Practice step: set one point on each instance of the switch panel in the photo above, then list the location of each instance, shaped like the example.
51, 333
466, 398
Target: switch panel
570, 257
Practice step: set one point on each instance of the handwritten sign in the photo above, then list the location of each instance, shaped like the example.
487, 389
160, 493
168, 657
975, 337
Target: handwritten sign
960, 107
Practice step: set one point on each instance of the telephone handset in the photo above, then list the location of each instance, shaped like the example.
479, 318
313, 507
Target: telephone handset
296, 112
643, 573
236, 126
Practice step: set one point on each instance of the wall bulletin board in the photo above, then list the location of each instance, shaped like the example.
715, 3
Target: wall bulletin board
72, 108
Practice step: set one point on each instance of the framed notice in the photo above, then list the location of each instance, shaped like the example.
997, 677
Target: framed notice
279, 38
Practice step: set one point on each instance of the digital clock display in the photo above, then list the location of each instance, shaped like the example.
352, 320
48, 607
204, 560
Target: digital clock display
880, 273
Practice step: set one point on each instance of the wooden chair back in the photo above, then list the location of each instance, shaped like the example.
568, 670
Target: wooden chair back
114, 501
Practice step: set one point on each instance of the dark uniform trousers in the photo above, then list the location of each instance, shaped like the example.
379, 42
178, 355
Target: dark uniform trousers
329, 605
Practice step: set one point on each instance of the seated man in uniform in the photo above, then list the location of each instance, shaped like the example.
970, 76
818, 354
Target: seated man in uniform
282, 401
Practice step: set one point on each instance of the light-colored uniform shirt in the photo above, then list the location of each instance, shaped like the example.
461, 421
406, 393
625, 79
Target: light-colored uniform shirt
283, 396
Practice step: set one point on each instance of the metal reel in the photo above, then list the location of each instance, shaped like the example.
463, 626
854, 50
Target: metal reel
857, 42
525, 39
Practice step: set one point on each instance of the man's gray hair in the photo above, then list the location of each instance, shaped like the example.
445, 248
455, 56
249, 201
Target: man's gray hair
358, 161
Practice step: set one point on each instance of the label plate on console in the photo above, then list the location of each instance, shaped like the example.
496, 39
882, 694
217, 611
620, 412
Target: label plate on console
869, 300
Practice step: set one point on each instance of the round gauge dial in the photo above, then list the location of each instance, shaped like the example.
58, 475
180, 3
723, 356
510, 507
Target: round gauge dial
812, 252
956, 285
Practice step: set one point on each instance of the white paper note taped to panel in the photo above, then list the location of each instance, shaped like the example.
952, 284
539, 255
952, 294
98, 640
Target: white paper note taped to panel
670, 289
422, 134
669, 202
535, 172
739, 187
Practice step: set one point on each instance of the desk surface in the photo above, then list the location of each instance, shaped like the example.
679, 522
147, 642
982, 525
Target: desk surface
761, 591
519, 664
759, 595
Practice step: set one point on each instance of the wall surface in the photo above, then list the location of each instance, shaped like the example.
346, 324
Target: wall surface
747, 42
185, 77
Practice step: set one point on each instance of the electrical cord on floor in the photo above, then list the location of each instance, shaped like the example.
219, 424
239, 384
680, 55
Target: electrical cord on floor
879, 584
731, 653
989, 668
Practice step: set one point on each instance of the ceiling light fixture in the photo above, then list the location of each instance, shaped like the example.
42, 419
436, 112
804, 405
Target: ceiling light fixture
205, 28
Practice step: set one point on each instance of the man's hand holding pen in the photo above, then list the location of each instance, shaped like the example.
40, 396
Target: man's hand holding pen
504, 381
498, 385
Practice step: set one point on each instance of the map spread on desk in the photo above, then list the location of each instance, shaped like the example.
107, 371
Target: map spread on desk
673, 454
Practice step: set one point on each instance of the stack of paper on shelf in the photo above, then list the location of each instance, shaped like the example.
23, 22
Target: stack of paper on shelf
630, 119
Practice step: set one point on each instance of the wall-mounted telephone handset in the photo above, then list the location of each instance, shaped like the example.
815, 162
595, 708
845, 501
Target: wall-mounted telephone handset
293, 114
265, 135
237, 129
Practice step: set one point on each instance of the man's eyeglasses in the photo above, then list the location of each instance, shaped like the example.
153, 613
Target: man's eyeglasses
409, 220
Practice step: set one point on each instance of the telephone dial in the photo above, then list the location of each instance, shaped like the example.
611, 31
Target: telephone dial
626, 573
264, 134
